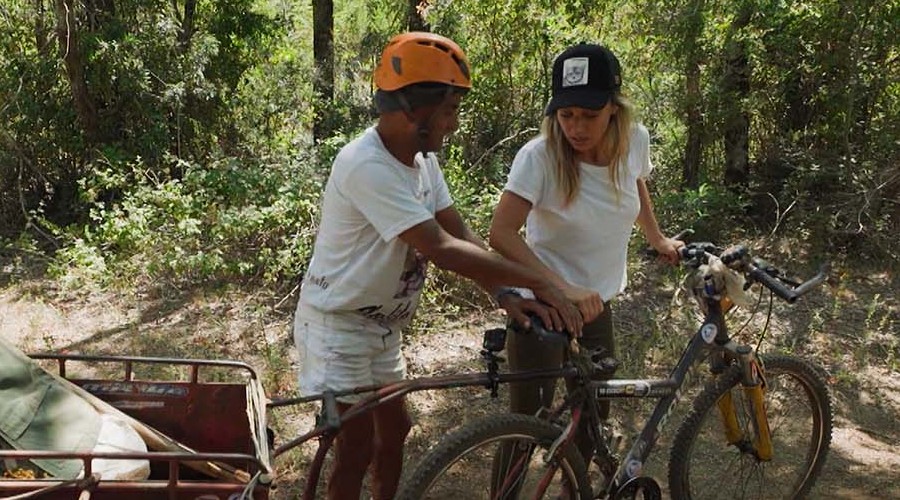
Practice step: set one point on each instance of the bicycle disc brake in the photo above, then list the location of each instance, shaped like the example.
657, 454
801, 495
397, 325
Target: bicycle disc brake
646, 486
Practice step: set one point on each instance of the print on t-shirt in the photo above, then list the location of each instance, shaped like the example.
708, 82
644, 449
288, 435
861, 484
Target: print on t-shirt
413, 276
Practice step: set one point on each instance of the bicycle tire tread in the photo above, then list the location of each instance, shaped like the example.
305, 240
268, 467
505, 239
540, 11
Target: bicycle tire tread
810, 375
454, 445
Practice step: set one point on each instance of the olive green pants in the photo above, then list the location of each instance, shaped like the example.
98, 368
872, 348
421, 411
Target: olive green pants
526, 352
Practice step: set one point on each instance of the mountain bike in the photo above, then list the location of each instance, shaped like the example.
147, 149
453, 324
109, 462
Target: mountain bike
760, 429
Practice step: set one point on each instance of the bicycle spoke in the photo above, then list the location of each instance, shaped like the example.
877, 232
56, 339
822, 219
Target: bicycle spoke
798, 408
499, 457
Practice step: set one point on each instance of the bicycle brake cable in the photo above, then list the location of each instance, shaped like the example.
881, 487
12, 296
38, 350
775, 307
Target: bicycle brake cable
768, 319
752, 314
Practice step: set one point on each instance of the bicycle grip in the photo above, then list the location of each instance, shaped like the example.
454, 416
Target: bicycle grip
815, 281
544, 334
649, 251
772, 283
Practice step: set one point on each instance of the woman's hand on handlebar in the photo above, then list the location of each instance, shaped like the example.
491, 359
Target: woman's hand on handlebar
667, 248
587, 301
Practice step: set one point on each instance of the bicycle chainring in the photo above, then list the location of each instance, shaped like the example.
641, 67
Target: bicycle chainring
647, 487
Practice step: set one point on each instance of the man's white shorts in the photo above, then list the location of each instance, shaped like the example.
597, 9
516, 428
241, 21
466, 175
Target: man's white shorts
339, 352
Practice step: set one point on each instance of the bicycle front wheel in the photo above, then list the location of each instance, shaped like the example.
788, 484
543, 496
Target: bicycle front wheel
798, 406
500, 456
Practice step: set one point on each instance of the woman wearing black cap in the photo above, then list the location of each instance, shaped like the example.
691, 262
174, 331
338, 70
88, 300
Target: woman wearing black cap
580, 186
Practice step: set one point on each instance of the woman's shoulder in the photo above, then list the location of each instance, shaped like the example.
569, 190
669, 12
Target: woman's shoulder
538, 143
535, 149
639, 134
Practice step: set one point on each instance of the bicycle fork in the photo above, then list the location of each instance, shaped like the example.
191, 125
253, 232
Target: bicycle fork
753, 384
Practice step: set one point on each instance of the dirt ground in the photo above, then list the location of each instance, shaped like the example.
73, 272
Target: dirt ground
864, 461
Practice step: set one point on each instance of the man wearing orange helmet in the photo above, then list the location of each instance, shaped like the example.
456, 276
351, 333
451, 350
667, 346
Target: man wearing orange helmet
386, 212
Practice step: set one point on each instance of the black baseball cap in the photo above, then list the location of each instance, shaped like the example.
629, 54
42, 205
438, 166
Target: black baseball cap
585, 75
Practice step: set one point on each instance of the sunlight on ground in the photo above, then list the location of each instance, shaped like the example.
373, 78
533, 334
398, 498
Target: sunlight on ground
864, 462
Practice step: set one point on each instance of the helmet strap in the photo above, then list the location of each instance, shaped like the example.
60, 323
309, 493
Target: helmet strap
421, 125
422, 128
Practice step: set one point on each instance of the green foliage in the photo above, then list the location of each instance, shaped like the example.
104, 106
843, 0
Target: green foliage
711, 211
229, 220
79, 267
203, 165
149, 90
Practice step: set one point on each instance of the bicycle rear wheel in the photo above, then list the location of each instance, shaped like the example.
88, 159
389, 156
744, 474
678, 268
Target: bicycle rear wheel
798, 405
463, 464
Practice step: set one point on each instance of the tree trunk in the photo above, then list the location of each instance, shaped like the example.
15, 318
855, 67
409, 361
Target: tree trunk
97, 13
694, 142
415, 21
40, 29
736, 88
185, 108
187, 25
693, 99
323, 53
67, 33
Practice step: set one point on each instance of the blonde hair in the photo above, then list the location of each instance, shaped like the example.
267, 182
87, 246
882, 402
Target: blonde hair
615, 143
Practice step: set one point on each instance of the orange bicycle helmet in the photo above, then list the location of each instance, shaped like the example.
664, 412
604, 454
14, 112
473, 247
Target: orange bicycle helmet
420, 57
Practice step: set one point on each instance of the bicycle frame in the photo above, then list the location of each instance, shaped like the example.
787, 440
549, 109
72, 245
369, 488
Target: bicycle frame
713, 336
711, 340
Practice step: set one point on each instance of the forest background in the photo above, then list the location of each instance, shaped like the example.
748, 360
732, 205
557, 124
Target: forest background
169, 155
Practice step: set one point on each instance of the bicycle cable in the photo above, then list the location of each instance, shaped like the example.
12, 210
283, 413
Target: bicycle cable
251, 485
765, 329
749, 319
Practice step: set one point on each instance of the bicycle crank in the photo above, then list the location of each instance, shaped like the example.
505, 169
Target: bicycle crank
641, 487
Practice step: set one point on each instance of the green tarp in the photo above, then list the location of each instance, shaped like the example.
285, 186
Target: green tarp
37, 412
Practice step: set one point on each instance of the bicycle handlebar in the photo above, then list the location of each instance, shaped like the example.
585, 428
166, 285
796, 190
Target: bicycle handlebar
738, 257
778, 288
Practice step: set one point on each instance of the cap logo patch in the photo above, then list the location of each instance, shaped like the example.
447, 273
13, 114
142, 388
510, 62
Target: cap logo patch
575, 72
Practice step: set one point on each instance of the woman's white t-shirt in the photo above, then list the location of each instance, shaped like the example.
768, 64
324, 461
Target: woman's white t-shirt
360, 267
586, 242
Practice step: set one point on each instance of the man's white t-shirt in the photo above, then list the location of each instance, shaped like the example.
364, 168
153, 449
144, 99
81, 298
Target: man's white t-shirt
586, 242
359, 266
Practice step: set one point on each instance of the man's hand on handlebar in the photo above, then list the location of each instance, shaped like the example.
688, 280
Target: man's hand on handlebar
587, 301
520, 310
563, 314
